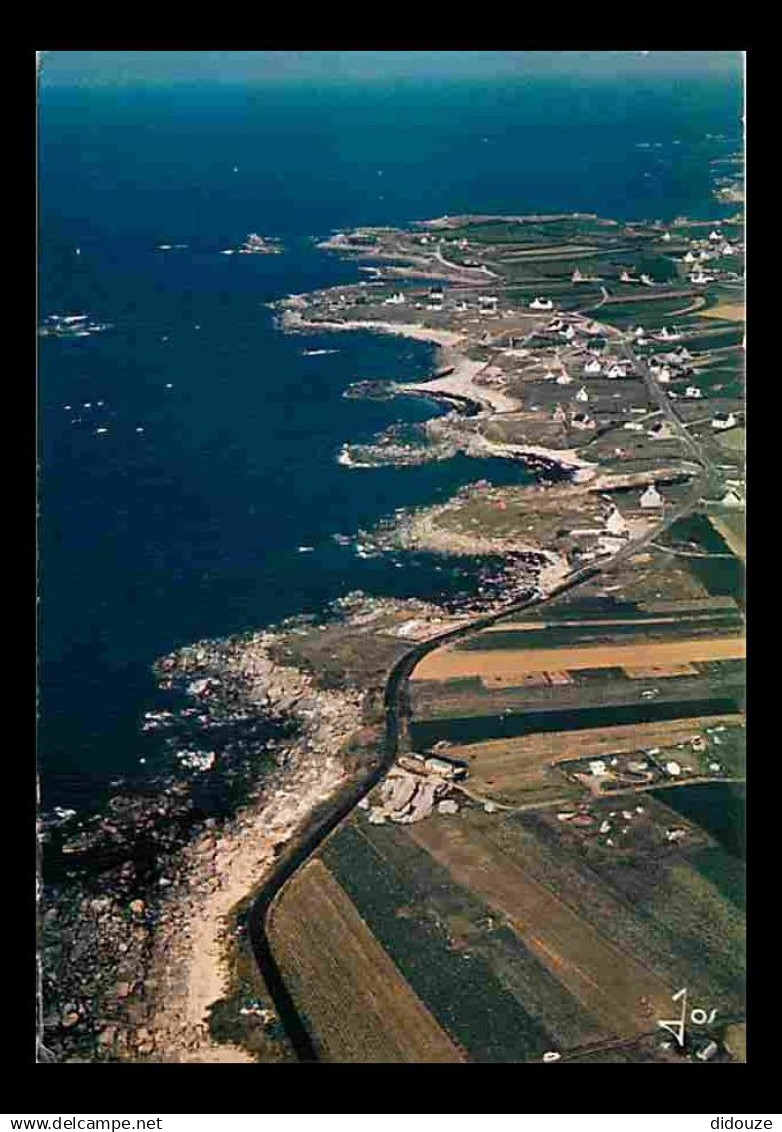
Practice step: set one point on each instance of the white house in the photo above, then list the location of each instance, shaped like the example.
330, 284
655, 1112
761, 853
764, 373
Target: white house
540, 304
577, 277
633, 426
616, 524
638, 332
690, 257
663, 375
559, 415
582, 394
549, 376
721, 421
647, 279
701, 277
625, 277
693, 393
582, 421
669, 335
616, 371
395, 300
569, 334
667, 237
716, 237
728, 250
564, 378
731, 498
593, 367
651, 497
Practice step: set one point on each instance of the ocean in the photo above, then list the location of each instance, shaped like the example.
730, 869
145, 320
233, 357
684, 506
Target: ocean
191, 527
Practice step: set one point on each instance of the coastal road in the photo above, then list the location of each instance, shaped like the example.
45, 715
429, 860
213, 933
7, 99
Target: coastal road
325, 824
468, 274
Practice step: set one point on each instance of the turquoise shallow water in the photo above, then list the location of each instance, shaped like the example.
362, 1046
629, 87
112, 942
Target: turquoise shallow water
191, 527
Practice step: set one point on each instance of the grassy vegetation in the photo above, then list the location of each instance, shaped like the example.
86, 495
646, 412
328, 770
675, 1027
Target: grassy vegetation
269, 1042
443, 700
715, 339
554, 637
649, 313
358, 1006
429, 926
726, 872
650, 902
543, 233
473, 729
696, 529
734, 441
718, 807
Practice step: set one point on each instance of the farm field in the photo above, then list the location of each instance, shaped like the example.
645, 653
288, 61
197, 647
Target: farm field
587, 689
479, 728
358, 1005
565, 633
471, 969
582, 859
734, 440
732, 527
673, 907
516, 770
610, 983
505, 666
733, 312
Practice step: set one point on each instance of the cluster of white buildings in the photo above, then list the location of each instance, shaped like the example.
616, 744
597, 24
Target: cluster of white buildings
700, 252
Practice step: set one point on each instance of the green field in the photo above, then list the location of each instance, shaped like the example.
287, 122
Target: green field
481, 983
562, 636
653, 903
473, 729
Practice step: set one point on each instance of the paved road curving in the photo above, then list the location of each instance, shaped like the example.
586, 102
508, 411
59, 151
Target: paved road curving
314, 836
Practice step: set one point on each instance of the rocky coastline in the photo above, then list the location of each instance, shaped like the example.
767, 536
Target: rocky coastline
111, 935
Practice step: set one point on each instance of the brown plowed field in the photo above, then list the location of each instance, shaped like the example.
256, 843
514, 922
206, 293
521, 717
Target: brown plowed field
608, 981
653, 671
503, 664
359, 1005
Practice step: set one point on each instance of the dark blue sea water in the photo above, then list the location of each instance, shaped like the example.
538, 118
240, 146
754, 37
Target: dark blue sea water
190, 528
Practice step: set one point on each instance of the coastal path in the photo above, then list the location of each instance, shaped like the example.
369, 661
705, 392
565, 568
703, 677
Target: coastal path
395, 725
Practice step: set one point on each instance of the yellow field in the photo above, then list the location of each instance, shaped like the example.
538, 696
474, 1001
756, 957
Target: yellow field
736, 1040
506, 665
358, 1003
513, 768
734, 440
733, 312
621, 993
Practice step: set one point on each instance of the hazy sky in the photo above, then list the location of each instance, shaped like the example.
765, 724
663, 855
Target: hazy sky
108, 68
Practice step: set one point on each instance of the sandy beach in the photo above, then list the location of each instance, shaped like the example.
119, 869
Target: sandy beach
192, 968
460, 383
190, 963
